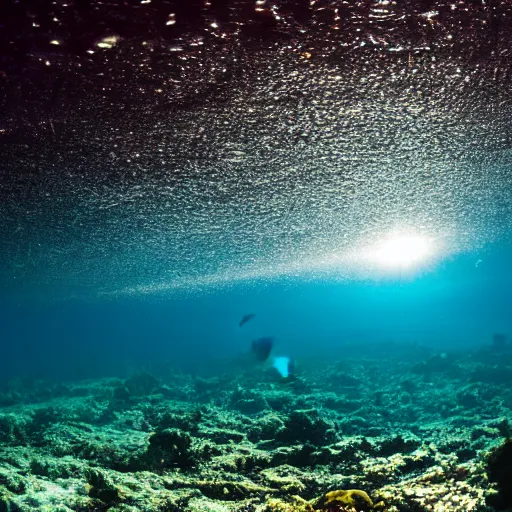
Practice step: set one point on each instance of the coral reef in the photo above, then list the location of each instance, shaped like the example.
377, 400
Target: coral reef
410, 432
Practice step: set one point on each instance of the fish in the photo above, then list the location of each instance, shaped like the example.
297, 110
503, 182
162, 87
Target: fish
246, 318
284, 366
261, 348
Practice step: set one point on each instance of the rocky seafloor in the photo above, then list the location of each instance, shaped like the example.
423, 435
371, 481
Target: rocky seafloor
406, 430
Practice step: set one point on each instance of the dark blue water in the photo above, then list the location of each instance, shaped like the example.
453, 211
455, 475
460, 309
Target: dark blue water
456, 305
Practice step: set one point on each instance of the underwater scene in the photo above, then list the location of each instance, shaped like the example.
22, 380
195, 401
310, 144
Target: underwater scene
255, 256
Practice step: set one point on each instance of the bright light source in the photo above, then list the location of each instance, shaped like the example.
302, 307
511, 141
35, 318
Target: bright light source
402, 251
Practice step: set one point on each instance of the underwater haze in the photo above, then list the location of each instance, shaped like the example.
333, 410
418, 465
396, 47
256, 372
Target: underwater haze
255, 256
458, 304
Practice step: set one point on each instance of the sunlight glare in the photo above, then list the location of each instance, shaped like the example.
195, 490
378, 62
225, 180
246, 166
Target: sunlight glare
402, 251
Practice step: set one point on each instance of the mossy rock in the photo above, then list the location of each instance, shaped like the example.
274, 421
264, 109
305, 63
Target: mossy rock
189, 422
102, 487
293, 504
307, 426
55, 468
299, 456
397, 444
13, 430
499, 470
6, 502
250, 405
280, 402
229, 491
222, 435
265, 428
168, 448
12, 482
284, 479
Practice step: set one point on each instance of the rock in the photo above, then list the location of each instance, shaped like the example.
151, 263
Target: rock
398, 444
141, 384
267, 427
102, 487
169, 448
499, 469
307, 426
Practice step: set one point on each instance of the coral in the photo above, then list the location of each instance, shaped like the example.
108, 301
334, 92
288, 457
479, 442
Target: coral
266, 427
168, 448
95, 445
222, 435
189, 422
398, 444
229, 491
247, 401
334, 501
307, 426
345, 501
295, 504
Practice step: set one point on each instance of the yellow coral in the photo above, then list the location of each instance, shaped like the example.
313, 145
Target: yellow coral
298, 505
352, 499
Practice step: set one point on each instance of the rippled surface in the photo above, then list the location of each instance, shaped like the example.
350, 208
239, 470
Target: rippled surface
163, 149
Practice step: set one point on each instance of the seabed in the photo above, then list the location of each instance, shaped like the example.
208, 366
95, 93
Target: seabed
406, 428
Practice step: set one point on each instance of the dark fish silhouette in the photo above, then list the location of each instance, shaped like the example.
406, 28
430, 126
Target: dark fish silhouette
261, 348
246, 318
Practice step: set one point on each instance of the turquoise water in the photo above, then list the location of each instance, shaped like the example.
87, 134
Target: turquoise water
457, 304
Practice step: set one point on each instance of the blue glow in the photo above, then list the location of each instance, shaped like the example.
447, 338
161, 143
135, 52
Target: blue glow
282, 365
